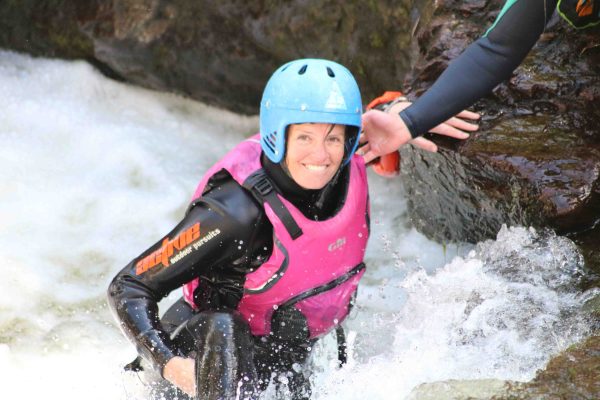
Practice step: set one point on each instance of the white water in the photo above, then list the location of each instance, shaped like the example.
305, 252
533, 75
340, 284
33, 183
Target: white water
92, 172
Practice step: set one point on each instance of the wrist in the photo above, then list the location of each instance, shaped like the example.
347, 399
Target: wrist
391, 106
408, 123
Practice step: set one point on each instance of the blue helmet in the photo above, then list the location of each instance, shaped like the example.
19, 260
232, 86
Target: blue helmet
308, 91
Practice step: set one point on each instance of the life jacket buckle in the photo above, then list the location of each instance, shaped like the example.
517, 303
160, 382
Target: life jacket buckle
263, 186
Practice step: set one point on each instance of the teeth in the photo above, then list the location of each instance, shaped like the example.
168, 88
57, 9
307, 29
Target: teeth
315, 167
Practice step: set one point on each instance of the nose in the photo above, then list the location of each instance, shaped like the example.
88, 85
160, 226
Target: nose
320, 152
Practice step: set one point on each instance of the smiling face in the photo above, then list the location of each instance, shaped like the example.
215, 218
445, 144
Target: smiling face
314, 153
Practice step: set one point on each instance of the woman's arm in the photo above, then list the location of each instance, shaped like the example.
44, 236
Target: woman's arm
208, 236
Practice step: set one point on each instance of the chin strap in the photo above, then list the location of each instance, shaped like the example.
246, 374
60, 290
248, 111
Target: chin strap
325, 192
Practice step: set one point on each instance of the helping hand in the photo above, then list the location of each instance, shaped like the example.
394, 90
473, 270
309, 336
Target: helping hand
386, 132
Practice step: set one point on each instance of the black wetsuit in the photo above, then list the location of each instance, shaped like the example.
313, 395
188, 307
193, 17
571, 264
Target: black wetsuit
483, 65
244, 242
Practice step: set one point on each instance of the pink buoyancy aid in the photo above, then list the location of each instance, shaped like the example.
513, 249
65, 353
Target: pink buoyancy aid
318, 271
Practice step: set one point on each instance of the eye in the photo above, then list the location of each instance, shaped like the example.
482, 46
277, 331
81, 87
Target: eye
303, 137
335, 139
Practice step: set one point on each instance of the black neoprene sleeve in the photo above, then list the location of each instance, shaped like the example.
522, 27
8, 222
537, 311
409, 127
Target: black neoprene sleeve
483, 65
218, 232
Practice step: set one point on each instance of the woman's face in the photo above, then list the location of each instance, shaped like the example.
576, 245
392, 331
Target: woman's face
314, 153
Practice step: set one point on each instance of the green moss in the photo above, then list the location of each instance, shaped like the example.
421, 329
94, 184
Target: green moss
376, 40
72, 44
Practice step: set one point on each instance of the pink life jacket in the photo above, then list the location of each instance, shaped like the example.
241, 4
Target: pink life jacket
315, 268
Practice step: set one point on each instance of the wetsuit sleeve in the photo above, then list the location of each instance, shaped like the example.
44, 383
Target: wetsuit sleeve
219, 229
483, 65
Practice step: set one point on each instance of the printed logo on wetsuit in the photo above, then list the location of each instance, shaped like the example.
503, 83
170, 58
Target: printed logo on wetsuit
172, 251
167, 249
339, 243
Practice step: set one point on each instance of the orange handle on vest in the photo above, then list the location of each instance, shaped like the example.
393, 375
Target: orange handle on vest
387, 165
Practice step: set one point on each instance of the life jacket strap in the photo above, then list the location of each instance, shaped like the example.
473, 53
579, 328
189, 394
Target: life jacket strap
262, 189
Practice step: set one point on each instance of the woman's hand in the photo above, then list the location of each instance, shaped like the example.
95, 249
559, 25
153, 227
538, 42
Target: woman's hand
386, 132
181, 373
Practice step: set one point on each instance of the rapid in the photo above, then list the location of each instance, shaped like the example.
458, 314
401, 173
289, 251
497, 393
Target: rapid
93, 171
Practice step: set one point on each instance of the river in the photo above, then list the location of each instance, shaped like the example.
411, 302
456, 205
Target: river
93, 171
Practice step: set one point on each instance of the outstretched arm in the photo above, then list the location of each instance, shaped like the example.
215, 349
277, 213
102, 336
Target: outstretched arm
382, 131
482, 66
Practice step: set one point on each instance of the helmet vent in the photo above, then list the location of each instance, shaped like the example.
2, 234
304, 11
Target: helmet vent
330, 72
270, 141
302, 70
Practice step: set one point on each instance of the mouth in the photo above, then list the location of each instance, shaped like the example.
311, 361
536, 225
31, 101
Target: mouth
317, 168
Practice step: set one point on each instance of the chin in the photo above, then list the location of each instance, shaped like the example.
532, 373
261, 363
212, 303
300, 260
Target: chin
312, 185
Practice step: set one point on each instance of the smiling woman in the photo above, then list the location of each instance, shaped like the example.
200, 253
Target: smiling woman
269, 253
291, 210
314, 153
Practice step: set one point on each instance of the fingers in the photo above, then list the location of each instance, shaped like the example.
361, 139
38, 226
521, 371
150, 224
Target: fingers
424, 144
419, 142
468, 114
447, 130
362, 150
369, 156
462, 125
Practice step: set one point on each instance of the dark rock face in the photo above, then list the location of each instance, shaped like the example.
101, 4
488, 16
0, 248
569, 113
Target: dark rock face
219, 52
46, 28
536, 160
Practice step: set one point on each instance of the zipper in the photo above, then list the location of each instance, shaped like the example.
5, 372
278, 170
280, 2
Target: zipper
323, 288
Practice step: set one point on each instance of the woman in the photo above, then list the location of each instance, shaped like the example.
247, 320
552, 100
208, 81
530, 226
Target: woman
270, 250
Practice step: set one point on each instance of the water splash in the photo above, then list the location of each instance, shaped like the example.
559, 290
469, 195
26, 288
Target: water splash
498, 313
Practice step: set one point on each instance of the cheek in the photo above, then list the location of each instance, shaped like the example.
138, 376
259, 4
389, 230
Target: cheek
292, 161
296, 155
337, 155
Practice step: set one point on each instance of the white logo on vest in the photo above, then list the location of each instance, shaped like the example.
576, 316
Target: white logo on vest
337, 244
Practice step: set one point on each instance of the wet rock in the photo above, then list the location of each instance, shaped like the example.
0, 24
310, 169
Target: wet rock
221, 52
44, 28
536, 159
477, 389
575, 374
